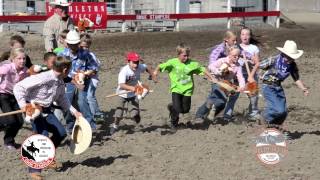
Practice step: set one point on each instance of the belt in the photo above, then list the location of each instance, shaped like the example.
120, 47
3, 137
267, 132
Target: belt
275, 83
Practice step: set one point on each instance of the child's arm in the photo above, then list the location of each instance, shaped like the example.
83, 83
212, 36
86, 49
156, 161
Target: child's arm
209, 76
151, 74
296, 77
127, 87
156, 71
256, 61
300, 84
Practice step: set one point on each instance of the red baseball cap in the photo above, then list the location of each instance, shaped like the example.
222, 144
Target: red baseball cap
133, 56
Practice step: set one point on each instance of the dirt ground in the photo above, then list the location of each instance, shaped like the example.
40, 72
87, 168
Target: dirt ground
211, 151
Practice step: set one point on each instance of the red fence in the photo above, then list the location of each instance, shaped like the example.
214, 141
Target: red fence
138, 17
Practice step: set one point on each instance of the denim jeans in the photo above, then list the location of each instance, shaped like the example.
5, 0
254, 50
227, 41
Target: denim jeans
217, 98
92, 100
44, 125
82, 103
253, 102
275, 111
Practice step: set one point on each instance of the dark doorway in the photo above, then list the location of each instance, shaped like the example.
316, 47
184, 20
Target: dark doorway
265, 8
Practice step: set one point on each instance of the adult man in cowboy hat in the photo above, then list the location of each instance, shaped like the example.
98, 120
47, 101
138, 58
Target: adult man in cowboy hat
55, 24
275, 70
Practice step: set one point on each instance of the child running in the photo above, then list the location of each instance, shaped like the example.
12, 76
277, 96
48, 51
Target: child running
43, 89
227, 69
85, 43
274, 71
10, 74
181, 70
128, 82
250, 53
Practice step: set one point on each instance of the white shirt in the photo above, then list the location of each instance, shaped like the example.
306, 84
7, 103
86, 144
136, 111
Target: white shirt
129, 77
252, 49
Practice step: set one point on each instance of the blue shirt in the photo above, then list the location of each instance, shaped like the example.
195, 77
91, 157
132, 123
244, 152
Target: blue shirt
277, 69
82, 61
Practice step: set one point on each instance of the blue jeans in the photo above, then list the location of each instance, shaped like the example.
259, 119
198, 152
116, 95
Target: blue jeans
44, 125
217, 98
253, 102
82, 103
92, 100
275, 104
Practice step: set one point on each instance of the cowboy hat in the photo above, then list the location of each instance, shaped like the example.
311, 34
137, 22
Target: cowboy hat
60, 3
73, 37
81, 136
290, 49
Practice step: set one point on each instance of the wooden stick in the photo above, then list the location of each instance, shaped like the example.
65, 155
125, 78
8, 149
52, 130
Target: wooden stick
12, 113
117, 94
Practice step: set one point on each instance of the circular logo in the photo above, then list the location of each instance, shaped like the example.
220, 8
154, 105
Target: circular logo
271, 146
37, 151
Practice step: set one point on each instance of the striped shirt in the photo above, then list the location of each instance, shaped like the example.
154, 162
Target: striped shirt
53, 26
44, 89
9, 76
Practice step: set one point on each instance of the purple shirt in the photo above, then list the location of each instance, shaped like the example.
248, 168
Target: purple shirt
9, 76
219, 51
235, 71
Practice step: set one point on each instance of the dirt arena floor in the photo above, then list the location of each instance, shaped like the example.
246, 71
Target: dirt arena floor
211, 151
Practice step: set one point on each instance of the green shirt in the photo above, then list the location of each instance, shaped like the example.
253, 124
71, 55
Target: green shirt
58, 50
181, 74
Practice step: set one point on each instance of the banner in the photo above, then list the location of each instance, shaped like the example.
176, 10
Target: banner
95, 11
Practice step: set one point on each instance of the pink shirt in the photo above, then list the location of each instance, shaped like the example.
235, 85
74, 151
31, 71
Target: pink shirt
234, 69
9, 77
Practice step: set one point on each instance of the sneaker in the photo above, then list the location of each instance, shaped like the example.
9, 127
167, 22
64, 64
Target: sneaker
256, 117
212, 113
173, 129
137, 128
199, 120
99, 118
113, 129
13, 146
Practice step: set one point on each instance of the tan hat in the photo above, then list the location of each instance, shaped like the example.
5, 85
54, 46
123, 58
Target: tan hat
81, 136
290, 49
60, 3
73, 37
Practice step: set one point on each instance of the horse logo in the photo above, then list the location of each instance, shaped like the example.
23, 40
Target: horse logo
37, 151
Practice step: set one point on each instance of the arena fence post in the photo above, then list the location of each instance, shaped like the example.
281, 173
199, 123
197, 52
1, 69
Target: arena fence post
278, 17
229, 11
123, 12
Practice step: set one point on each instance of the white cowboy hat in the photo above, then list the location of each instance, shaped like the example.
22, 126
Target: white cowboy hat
60, 3
290, 49
81, 136
73, 37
